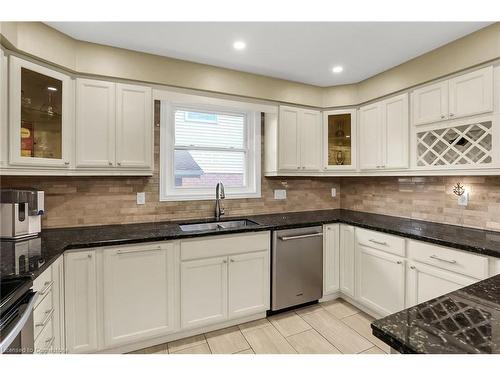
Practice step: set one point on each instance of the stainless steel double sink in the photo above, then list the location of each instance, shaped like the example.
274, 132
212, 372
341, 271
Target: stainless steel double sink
217, 225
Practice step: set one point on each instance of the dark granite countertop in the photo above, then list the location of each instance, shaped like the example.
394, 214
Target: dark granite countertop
53, 242
464, 321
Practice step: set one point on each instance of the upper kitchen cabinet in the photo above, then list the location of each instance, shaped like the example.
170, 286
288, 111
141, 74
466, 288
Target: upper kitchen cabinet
299, 139
95, 123
134, 126
41, 115
339, 137
384, 134
114, 127
464, 95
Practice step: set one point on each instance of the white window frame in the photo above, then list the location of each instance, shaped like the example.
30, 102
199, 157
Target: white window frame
170, 102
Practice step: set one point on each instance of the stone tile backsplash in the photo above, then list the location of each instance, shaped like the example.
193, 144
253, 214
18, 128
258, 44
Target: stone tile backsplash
426, 198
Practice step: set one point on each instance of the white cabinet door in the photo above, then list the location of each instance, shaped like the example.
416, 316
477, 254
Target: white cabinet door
430, 103
248, 284
138, 292
427, 282
80, 291
370, 136
331, 258
395, 139
134, 126
203, 292
95, 123
57, 270
380, 280
471, 93
346, 258
3, 111
310, 140
41, 115
288, 142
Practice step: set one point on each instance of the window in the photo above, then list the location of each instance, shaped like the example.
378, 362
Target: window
203, 144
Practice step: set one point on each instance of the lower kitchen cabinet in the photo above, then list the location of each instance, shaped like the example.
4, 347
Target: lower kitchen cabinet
380, 280
80, 283
248, 284
138, 292
346, 260
331, 245
426, 282
203, 292
48, 314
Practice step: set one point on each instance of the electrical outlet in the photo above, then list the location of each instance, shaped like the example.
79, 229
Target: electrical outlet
141, 198
334, 192
463, 200
280, 194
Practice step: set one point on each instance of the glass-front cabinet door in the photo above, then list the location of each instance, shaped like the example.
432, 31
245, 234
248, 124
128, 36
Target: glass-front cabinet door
339, 139
39, 115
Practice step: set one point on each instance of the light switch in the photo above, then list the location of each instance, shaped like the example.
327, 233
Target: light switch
280, 194
141, 198
334, 192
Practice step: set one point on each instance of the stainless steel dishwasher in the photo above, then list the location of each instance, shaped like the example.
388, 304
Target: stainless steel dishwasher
297, 267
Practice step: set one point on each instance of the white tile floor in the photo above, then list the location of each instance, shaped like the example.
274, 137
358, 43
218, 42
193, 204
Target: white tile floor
327, 328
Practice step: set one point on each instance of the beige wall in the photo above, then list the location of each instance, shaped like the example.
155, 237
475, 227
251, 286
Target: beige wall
41, 41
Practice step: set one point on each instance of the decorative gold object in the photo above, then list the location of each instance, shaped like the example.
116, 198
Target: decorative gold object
339, 158
458, 189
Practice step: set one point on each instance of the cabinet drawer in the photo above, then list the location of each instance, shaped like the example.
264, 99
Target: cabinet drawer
381, 241
43, 285
443, 257
45, 339
43, 313
215, 246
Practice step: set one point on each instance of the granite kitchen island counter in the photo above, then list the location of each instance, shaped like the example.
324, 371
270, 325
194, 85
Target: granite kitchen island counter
464, 321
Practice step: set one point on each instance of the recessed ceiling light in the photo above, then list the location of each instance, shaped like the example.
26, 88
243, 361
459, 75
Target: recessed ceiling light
50, 88
337, 69
239, 45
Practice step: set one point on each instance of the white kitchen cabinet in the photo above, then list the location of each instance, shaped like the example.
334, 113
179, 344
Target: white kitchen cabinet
114, 126
346, 260
138, 292
461, 96
95, 123
340, 140
40, 115
57, 270
370, 136
204, 292
288, 138
134, 126
248, 284
299, 139
380, 280
395, 133
80, 292
331, 258
4, 157
471, 93
310, 140
430, 103
384, 134
426, 282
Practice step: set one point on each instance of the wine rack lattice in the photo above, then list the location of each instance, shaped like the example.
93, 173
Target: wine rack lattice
460, 145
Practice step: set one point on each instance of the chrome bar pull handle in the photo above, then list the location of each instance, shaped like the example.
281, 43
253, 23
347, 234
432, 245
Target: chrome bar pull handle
451, 261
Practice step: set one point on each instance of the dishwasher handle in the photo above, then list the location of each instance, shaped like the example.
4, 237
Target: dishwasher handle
288, 238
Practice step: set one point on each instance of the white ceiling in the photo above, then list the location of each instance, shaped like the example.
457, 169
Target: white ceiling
298, 51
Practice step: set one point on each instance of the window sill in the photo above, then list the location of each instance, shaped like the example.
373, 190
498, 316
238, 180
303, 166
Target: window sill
208, 197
